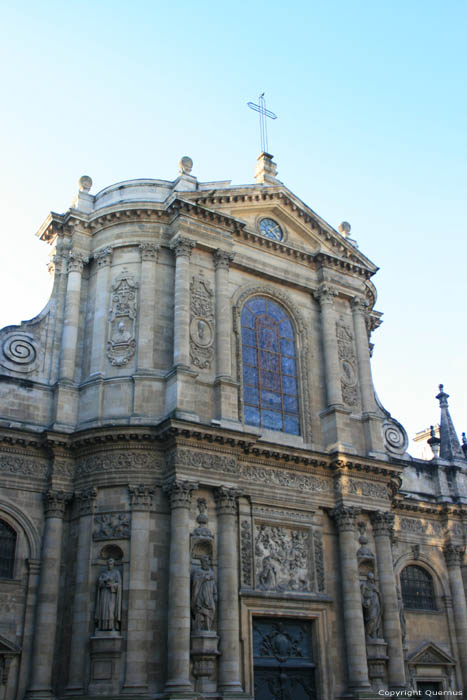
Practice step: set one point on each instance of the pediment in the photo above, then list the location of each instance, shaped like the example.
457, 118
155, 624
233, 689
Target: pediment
429, 654
7, 647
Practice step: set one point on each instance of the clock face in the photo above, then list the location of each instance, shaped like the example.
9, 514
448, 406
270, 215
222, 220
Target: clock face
271, 229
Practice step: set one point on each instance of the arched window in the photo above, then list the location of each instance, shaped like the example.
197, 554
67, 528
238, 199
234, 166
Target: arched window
7, 550
417, 588
270, 389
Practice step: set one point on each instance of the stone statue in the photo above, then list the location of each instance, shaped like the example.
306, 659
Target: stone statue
109, 599
371, 602
203, 596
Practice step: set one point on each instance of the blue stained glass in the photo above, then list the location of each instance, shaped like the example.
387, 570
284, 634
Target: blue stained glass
250, 375
268, 339
248, 318
290, 404
248, 336
276, 311
270, 380
270, 399
272, 420
250, 395
249, 355
291, 425
289, 385
289, 366
287, 347
286, 329
257, 305
269, 361
251, 415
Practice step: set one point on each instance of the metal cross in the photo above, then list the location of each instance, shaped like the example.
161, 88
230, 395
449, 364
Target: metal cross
263, 113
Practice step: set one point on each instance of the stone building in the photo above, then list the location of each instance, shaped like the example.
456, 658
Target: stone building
201, 495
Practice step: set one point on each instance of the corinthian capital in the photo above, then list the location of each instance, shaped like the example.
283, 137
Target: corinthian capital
383, 523
103, 257
222, 259
183, 247
55, 503
76, 261
148, 251
226, 500
86, 500
141, 497
180, 493
325, 294
359, 304
344, 517
454, 554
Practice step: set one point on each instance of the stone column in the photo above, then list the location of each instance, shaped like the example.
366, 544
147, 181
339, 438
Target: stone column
325, 295
182, 248
354, 627
71, 316
228, 609
359, 308
222, 260
101, 307
136, 676
42, 658
178, 638
454, 556
81, 601
148, 303
383, 524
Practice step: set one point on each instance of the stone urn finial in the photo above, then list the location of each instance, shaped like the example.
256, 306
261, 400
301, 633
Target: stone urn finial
344, 228
84, 183
185, 165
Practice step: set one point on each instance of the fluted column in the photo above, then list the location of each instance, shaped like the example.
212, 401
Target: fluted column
71, 316
383, 523
178, 638
136, 675
148, 303
222, 260
81, 601
103, 259
40, 684
325, 295
354, 627
182, 248
454, 556
359, 309
228, 608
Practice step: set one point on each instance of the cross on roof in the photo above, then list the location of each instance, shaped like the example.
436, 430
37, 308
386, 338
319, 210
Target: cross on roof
263, 113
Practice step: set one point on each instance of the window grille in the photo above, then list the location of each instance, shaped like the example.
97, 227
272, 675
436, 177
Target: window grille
270, 386
7, 550
417, 589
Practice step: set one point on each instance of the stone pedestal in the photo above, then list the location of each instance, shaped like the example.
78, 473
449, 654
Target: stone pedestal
376, 650
106, 650
204, 653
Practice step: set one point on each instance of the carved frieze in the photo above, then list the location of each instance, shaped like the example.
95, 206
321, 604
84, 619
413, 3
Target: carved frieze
282, 558
201, 322
348, 363
121, 345
118, 462
111, 526
421, 527
205, 460
358, 487
22, 466
281, 477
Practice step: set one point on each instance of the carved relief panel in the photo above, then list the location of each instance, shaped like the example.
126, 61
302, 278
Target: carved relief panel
121, 345
348, 363
201, 322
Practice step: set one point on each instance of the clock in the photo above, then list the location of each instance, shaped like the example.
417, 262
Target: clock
271, 229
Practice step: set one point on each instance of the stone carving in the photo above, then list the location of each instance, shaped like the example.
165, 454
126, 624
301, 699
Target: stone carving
454, 554
141, 496
202, 322
281, 477
22, 466
111, 526
371, 602
344, 517
119, 462
429, 657
421, 527
148, 251
103, 257
55, 503
395, 437
204, 460
325, 294
121, 345
364, 553
348, 362
76, 261
86, 500
319, 559
203, 596
180, 493
108, 610
222, 259
20, 352
226, 500
282, 558
383, 522
183, 247
246, 552
202, 519
358, 487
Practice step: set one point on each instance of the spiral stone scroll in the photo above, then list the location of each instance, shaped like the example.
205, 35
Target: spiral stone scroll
19, 352
395, 437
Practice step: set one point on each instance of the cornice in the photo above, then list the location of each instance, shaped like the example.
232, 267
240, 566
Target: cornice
424, 508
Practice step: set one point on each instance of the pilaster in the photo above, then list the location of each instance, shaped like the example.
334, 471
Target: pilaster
454, 556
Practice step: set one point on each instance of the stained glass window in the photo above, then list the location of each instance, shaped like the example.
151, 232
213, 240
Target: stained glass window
270, 388
417, 589
7, 550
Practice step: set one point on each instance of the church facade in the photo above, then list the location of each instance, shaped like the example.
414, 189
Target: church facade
201, 495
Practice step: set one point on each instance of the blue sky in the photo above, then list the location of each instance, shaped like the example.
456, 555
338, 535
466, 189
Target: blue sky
371, 100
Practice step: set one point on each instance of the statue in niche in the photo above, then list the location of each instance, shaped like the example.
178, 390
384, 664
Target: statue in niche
203, 596
109, 599
371, 602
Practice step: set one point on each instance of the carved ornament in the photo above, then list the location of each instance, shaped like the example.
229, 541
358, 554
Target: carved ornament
383, 523
222, 259
55, 503
344, 517
111, 526
180, 493
358, 487
201, 323
348, 363
282, 560
454, 554
103, 257
19, 352
121, 345
359, 305
141, 496
325, 294
86, 500
183, 247
246, 552
119, 462
226, 500
22, 466
319, 560
76, 261
148, 251
205, 460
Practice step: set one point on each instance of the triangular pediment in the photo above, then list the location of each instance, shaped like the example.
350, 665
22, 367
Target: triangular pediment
7, 647
430, 654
